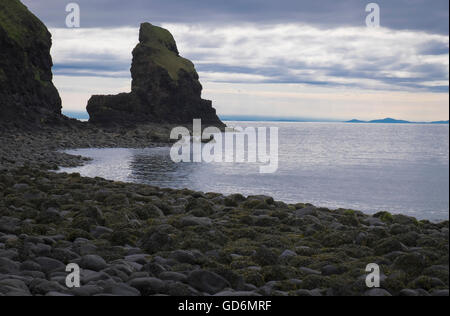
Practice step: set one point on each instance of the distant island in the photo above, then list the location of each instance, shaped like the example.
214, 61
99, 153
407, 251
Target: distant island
394, 121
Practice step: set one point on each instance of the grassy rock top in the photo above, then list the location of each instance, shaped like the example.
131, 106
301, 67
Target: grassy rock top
165, 88
164, 50
19, 24
27, 94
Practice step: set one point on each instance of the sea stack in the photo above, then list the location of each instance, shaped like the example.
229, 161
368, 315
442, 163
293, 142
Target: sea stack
27, 94
165, 87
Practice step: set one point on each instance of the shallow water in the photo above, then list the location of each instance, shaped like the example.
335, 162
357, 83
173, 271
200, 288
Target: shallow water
369, 167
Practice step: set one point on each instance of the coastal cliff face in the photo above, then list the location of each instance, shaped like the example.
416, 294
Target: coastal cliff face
27, 94
165, 87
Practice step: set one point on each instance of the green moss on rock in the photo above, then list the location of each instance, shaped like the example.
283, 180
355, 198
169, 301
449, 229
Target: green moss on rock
27, 94
385, 217
412, 263
15, 19
313, 281
165, 53
327, 262
165, 87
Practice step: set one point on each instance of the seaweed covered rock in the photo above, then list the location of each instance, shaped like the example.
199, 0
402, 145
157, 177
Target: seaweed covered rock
165, 87
131, 254
27, 94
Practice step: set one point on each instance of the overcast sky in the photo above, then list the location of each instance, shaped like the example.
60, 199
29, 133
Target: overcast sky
293, 58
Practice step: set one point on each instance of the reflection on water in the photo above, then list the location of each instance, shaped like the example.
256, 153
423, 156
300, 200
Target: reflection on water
369, 167
154, 165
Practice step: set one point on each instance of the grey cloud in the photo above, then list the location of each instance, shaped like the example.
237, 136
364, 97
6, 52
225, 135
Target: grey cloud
103, 65
279, 73
293, 53
435, 48
424, 15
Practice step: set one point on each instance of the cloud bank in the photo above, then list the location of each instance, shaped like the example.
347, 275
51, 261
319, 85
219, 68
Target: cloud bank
420, 15
284, 53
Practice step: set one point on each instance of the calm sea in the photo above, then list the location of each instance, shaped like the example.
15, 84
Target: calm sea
401, 168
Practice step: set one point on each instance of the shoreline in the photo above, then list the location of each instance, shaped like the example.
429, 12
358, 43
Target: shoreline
87, 159
135, 239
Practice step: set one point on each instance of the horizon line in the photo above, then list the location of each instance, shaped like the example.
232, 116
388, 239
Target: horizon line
262, 118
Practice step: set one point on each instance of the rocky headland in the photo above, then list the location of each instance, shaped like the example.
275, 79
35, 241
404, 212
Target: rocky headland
138, 240
27, 94
165, 87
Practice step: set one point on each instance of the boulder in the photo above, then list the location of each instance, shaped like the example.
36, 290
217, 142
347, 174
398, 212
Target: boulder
147, 286
377, 292
49, 265
207, 282
8, 266
13, 287
93, 262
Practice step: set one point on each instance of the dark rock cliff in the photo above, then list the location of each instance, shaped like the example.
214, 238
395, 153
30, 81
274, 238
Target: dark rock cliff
27, 94
165, 87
